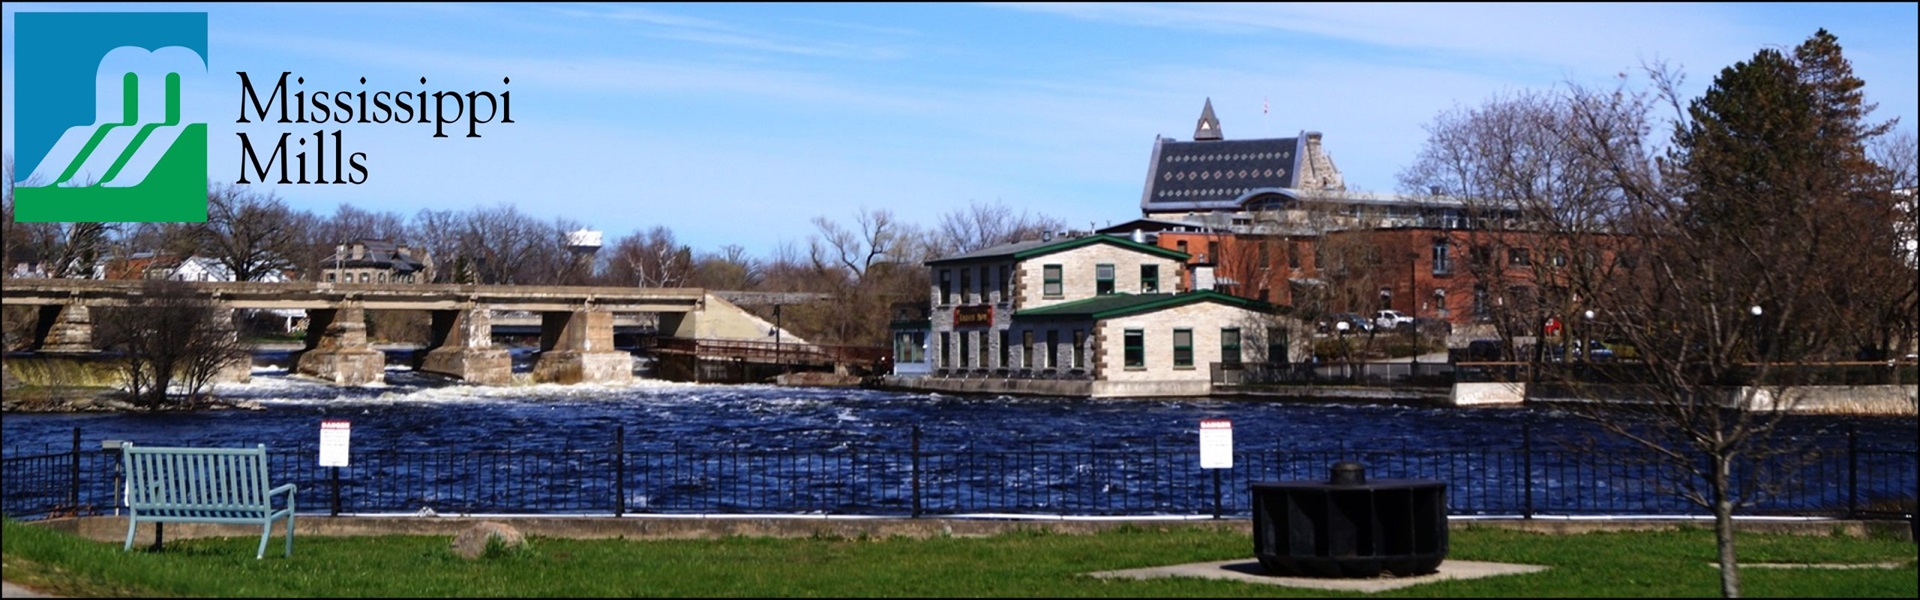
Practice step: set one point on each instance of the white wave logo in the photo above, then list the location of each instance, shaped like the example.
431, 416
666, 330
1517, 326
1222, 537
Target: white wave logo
136, 120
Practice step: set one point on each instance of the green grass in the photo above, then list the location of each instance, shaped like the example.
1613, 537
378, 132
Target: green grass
1025, 563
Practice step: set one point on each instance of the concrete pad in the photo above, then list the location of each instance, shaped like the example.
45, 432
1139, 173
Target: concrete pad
1250, 571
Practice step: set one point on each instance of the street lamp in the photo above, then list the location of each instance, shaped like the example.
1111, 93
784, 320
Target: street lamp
1345, 357
1758, 352
1586, 338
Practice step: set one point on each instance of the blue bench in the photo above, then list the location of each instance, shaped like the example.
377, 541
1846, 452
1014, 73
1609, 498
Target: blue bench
203, 485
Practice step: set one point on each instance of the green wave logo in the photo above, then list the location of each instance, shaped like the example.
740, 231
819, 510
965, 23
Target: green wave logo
99, 117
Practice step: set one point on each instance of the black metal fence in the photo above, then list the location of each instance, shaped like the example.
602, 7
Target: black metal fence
1538, 477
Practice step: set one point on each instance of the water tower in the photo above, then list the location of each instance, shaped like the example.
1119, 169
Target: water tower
583, 244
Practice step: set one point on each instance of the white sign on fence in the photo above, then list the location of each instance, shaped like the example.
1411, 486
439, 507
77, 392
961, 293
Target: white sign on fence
1216, 444
334, 436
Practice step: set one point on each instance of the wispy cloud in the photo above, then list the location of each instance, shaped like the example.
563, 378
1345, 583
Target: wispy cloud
671, 26
1583, 35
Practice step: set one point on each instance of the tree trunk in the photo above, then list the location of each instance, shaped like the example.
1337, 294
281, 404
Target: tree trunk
1723, 529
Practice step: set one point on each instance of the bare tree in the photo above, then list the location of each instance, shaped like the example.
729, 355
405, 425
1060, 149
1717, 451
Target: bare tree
729, 269
1744, 265
982, 225
170, 336
497, 245
250, 233
1523, 182
650, 259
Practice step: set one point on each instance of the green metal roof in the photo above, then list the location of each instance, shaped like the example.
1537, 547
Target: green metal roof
1030, 249
1119, 305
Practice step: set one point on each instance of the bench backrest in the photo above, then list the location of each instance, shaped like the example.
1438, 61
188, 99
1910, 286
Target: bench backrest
196, 478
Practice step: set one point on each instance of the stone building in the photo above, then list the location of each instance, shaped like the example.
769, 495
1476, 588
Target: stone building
377, 261
1087, 315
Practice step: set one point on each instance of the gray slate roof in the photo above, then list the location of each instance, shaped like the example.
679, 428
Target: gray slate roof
1215, 175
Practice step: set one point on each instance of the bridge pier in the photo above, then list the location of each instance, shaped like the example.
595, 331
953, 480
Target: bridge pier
337, 348
461, 345
240, 369
64, 329
577, 347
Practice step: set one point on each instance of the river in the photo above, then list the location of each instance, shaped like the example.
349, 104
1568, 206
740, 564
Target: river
416, 412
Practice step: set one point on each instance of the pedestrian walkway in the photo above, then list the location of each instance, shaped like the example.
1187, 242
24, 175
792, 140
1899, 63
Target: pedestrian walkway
9, 589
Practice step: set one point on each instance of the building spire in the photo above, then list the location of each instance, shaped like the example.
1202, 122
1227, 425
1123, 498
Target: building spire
1209, 127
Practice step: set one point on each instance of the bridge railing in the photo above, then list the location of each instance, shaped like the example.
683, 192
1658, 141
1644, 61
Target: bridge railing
771, 352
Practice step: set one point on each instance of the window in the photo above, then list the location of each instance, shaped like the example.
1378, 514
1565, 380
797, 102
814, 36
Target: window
1480, 308
1183, 347
1559, 258
1006, 345
1052, 350
966, 285
1517, 257
1149, 279
1213, 251
1230, 345
1006, 290
1103, 279
1442, 265
383, 278
985, 347
1276, 345
330, 277
363, 278
1482, 256
1180, 245
1261, 247
946, 350
1026, 349
965, 336
1079, 343
1293, 255
946, 287
1050, 276
1136, 343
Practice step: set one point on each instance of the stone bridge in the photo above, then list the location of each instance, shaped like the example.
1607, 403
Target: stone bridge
576, 322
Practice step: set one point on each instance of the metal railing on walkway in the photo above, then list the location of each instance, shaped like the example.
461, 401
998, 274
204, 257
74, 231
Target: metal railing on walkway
1537, 477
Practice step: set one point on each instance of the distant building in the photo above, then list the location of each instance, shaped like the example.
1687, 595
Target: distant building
377, 261
1099, 312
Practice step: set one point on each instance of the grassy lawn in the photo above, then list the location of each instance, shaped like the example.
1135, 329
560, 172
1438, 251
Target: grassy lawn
1031, 563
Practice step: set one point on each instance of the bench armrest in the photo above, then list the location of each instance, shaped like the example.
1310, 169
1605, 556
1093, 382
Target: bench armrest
288, 489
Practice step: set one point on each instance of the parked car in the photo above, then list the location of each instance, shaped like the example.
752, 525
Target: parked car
1597, 351
1355, 323
1391, 319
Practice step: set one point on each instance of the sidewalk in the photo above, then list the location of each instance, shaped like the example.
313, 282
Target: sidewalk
10, 590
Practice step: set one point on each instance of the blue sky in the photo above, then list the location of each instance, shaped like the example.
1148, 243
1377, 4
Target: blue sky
736, 124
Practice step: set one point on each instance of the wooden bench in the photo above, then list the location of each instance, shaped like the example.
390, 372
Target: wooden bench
203, 485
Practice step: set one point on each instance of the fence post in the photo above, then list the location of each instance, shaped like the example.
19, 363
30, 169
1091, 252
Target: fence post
1216, 492
1526, 454
73, 481
334, 477
916, 471
619, 470
1853, 471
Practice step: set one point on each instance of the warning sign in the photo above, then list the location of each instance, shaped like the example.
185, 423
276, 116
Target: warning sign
1216, 444
334, 436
